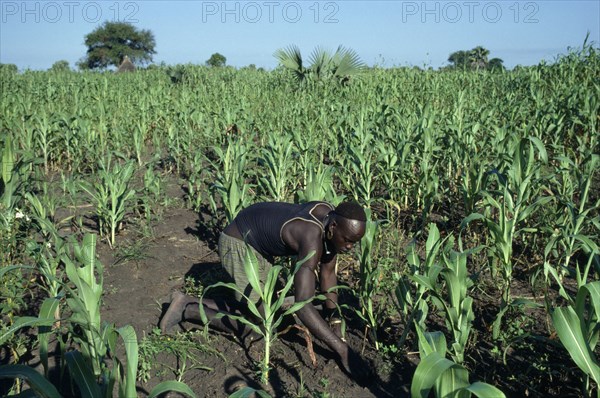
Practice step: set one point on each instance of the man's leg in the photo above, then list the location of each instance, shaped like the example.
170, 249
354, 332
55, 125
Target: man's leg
186, 308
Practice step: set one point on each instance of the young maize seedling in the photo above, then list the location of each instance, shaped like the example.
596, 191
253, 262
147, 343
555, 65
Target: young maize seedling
514, 203
276, 157
111, 194
573, 219
370, 278
445, 377
578, 328
230, 185
268, 315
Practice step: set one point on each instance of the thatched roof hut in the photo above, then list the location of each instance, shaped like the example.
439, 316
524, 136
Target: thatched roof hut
126, 65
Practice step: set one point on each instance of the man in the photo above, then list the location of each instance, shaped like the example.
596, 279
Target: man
276, 229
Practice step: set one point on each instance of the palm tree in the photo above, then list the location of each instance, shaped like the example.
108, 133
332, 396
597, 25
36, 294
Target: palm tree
323, 65
479, 57
496, 64
291, 59
459, 59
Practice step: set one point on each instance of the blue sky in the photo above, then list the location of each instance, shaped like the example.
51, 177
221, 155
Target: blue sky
35, 34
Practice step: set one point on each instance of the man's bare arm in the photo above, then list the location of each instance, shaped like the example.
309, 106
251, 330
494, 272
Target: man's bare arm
328, 279
304, 282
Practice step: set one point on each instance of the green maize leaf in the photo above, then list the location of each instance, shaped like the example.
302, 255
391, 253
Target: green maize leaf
251, 268
548, 269
484, 390
471, 217
296, 306
175, 386
431, 342
412, 257
592, 290
422, 280
26, 394
568, 328
47, 311
427, 372
526, 303
498, 322
37, 382
8, 160
241, 319
249, 392
433, 238
23, 322
251, 306
540, 147
82, 375
589, 243
269, 289
4, 270
525, 213
452, 382
113, 376
131, 349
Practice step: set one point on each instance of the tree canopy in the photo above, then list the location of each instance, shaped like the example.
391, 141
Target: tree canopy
216, 60
111, 42
474, 59
60, 66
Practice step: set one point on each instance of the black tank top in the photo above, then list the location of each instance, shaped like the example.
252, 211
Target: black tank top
262, 223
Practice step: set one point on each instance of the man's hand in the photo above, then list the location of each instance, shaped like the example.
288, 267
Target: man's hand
355, 366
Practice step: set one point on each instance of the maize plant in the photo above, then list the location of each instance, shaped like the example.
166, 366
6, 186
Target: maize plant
370, 278
45, 139
111, 193
445, 377
276, 158
568, 237
424, 276
514, 203
195, 181
319, 186
457, 305
578, 327
269, 315
85, 272
360, 181
230, 186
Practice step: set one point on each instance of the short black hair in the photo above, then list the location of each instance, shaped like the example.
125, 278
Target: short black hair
352, 211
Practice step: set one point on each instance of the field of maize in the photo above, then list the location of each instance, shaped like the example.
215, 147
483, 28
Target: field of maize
479, 273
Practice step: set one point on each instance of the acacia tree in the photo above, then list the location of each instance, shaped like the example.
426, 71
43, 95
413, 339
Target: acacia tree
111, 42
216, 60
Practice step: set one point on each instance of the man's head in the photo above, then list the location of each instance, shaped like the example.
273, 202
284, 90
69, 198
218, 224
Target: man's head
346, 226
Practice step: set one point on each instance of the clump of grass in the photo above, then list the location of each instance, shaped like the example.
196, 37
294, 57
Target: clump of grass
186, 347
135, 250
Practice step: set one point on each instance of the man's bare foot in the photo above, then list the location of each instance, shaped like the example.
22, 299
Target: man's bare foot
174, 314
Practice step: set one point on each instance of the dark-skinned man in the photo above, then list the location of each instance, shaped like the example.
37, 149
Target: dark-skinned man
274, 229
